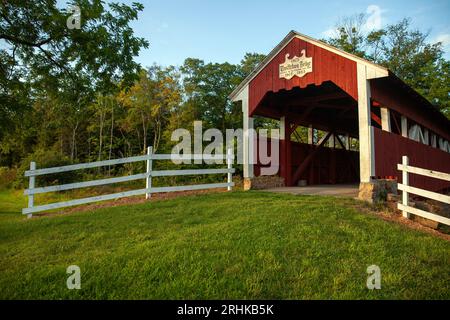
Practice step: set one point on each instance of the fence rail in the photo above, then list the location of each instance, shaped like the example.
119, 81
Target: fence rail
148, 190
407, 189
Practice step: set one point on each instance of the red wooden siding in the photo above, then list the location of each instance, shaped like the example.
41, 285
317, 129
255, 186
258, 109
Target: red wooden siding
327, 66
389, 149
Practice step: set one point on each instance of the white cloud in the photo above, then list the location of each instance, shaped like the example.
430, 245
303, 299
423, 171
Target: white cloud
374, 20
444, 38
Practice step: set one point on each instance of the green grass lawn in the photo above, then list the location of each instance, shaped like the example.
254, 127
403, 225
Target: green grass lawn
249, 245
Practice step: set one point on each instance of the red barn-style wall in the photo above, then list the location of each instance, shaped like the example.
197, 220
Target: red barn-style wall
327, 66
389, 149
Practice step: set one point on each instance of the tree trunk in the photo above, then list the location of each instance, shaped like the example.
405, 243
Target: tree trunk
144, 132
89, 147
111, 136
100, 137
102, 119
74, 133
157, 135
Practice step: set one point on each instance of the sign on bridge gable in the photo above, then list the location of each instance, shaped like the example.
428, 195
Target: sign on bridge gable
297, 66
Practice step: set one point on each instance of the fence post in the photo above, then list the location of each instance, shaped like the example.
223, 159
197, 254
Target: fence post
31, 186
148, 180
229, 167
405, 181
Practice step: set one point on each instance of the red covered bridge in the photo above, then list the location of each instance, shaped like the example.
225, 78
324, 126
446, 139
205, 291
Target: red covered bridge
344, 101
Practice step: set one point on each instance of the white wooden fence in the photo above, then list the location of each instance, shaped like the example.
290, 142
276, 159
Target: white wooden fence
149, 158
406, 189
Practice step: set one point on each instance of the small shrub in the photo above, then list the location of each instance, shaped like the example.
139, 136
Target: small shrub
7, 177
46, 159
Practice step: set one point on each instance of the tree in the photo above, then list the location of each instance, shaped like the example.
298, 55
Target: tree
42, 60
149, 102
249, 63
406, 52
38, 40
100, 109
349, 35
167, 98
207, 86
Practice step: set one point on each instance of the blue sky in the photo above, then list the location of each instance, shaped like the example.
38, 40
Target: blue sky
223, 30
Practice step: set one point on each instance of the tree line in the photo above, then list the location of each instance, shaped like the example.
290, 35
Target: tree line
77, 95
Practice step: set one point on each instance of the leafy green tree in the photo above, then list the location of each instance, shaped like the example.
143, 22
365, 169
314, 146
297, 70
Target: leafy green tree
102, 110
249, 63
103, 49
42, 60
149, 102
208, 86
349, 35
434, 83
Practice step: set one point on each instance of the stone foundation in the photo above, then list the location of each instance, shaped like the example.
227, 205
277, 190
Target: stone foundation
377, 190
263, 182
